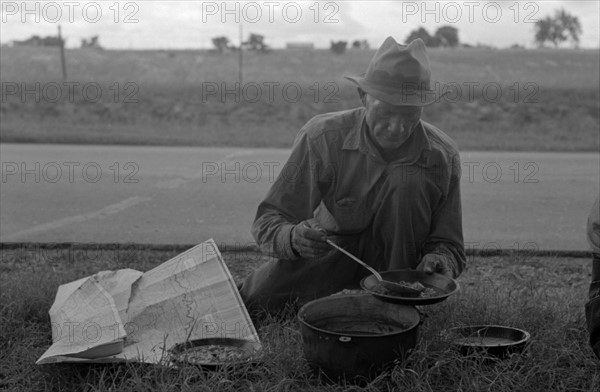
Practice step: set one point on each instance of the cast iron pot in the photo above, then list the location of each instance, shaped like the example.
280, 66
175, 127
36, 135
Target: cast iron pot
356, 336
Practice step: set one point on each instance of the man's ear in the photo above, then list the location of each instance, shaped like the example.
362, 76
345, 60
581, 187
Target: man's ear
363, 96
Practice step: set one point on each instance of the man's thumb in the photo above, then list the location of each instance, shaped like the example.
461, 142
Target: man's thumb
429, 266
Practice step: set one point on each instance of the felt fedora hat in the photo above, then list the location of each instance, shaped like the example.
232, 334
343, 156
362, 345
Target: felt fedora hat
399, 75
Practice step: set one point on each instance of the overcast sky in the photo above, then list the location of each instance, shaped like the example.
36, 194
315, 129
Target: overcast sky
192, 24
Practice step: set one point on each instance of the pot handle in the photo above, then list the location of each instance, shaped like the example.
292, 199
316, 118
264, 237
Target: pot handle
345, 339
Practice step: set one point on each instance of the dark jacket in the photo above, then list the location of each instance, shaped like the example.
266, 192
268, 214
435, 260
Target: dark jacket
592, 307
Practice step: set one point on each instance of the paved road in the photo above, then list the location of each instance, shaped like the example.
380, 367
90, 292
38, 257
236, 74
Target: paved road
63, 193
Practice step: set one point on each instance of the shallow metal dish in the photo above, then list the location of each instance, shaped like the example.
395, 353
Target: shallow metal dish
497, 340
442, 284
251, 350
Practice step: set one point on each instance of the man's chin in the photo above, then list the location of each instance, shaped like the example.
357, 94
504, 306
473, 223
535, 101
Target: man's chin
391, 145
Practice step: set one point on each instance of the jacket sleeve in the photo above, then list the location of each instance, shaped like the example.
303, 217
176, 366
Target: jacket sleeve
291, 199
592, 313
593, 227
446, 235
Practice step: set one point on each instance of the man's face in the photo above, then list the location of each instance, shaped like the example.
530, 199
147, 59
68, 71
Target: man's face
390, 125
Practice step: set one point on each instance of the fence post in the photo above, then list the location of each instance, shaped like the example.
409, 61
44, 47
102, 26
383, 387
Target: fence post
241, 70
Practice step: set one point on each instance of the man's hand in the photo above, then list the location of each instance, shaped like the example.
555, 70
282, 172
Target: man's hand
309, 242
439, 263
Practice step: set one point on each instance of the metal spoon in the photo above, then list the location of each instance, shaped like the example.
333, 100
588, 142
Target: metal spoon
391, 286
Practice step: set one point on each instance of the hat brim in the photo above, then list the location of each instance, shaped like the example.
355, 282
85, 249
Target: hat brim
398, 98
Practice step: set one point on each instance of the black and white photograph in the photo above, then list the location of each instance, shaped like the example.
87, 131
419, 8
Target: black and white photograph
309, 195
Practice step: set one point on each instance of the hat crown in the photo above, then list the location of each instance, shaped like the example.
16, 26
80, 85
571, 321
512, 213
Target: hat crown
399, 75
401, 66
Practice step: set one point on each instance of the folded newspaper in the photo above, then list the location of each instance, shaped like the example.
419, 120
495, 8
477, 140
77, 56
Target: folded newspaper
127, 315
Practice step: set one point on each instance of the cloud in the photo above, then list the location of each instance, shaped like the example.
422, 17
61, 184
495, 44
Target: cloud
286, 21
187, 24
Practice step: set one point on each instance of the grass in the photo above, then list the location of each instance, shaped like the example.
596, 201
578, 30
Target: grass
550, 98
543, 295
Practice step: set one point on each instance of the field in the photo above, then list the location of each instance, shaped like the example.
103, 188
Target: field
543, 295
541, 100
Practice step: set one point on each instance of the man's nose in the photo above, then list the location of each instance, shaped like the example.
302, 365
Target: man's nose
396, 124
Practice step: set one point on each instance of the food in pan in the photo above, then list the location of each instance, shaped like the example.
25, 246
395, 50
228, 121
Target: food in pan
426, 292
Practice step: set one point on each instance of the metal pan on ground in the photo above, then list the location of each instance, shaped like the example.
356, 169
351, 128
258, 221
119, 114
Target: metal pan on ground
496, 340
437, 287
213, 353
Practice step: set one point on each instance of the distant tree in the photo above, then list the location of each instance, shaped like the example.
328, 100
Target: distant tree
36, 40
52, 41
447, 36
256, 43
424, 35
560, 28
92, 43
360, 44
221, 43
338, 47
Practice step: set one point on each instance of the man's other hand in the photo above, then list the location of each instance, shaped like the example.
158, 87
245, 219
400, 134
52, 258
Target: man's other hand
309, 242
438, 263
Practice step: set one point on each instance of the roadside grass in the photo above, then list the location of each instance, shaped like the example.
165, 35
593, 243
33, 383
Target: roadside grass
543, 295
535, 100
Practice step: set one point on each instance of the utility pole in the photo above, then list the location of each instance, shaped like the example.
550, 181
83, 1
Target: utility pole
62, 54
241, 57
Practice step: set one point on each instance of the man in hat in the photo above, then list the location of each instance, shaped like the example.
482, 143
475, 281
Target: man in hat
377, 180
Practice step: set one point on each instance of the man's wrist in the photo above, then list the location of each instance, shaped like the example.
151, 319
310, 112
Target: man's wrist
294, 251
284, 239
447, 260
452, 266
